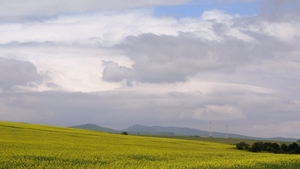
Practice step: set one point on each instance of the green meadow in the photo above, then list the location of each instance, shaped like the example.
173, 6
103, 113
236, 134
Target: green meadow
36, 146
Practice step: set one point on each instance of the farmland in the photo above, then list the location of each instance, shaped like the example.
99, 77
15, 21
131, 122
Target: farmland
36, 146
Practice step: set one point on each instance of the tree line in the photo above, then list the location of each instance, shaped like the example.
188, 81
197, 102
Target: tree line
293, 148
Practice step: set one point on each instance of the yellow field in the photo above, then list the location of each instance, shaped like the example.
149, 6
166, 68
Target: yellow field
35, 146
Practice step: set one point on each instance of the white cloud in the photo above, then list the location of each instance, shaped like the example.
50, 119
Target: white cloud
100, 28
69, 68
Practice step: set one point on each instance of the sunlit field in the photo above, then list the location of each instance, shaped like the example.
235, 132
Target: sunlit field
36, 146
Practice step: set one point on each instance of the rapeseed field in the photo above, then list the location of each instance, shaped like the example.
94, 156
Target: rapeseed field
35, 146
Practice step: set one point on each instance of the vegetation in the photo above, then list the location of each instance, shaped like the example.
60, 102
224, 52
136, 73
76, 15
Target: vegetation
242, 145
124, 133
34, 146
293, 148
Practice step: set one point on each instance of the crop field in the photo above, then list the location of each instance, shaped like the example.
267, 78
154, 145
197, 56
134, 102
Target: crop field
35, 146
231, 141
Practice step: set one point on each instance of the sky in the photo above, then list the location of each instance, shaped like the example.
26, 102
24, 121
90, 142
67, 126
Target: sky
177, 63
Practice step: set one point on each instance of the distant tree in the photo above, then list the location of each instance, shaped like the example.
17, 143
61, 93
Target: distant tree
275, 145
293, 148
271, 147
257, 147
242, 145
267, 146
298, 140
124, 133
284, 148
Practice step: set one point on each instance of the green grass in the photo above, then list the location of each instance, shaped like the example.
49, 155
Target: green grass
35, 146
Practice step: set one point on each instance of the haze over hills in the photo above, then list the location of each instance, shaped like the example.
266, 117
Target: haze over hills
178, 131
95, 128
174, 131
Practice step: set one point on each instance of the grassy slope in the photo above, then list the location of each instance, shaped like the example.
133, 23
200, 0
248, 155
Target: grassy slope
36, 146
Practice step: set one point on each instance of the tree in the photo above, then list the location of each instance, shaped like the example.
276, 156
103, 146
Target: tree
294, 148
257, 147
271, 147
284, 147
275, 145
242, 145
124, 133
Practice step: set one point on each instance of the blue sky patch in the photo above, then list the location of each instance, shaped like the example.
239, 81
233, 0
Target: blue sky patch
197, 7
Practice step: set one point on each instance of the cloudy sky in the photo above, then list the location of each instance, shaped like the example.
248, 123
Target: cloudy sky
153, 62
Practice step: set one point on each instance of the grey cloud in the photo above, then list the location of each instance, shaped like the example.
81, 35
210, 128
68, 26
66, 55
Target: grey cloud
231, 1
167, 58
280, 10
279, 4
115, 73
220, 28
170, 59
36, 8
120, 109
17, 73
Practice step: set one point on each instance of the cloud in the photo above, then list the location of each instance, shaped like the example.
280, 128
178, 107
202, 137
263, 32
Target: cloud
171, 59
119, 109
114, 72
14, 73
119, 68
288, 128
280, 10
215, 112
101, 28
280, 4
35, 8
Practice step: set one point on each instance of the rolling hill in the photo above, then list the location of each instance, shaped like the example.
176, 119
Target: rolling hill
95, 128
176, 131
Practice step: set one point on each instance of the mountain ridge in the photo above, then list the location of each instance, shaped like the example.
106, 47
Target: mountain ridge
175, 131
95, 127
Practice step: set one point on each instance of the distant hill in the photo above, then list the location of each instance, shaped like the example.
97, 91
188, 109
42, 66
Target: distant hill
95, 128
179, 131
283, 139
175, 131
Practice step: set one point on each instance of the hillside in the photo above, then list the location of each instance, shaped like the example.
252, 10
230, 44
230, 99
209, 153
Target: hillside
180, 131
95, 128
175, 131
36, 146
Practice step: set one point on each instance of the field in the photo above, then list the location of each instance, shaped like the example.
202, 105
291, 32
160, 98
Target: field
231, 141
36, 146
